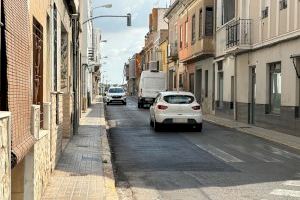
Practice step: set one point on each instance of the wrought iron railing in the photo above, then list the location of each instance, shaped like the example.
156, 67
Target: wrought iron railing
238, 33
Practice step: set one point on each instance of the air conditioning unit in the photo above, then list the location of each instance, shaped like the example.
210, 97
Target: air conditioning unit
153, 66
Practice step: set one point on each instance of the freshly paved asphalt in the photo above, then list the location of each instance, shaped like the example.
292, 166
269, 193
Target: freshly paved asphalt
218, 163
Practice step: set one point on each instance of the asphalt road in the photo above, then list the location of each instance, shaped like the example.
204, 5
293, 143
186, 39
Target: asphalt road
218, 163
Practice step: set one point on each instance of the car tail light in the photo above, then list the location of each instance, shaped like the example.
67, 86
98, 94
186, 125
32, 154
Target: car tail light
162, 107
196, 107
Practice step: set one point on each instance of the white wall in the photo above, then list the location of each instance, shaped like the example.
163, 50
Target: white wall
261, 58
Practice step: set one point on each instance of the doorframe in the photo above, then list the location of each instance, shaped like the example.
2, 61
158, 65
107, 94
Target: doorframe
252, 94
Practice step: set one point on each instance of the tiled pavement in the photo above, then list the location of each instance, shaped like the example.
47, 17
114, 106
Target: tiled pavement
79, 173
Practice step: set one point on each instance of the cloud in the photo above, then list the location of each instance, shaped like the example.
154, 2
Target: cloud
123, 41
119, 48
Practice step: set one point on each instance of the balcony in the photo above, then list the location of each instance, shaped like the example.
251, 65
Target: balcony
238, 36
173, 51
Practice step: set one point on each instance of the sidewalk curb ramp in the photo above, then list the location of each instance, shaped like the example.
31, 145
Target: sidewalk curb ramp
109, 179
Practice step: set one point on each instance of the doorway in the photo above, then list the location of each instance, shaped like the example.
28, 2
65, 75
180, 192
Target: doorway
198, 91
220, 89
252, 95
171, 78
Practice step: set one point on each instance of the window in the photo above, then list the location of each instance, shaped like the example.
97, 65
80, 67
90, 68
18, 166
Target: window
228, 10
180, 36
275, 88
209, 21
186, 33
282, 4
265, 9
116, 90
206, 83
179, 99
193, 29
265, 12
200, 24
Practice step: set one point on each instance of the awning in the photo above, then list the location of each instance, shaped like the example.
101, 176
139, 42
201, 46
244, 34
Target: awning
20, 150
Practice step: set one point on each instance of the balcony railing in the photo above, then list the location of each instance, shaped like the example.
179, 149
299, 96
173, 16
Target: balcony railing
238, 34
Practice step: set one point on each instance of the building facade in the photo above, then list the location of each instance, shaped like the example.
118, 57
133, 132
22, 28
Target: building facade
257, 43
158, 32
36, 92
196, 50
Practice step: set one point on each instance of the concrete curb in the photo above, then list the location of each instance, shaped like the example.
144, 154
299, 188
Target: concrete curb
109, 178
274, 136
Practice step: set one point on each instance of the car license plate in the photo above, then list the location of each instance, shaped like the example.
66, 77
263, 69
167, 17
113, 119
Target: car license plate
180, 120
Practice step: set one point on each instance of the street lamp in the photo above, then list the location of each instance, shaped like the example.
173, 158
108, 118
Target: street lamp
128, 17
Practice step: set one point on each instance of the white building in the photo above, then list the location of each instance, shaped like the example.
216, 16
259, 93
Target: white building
255, 76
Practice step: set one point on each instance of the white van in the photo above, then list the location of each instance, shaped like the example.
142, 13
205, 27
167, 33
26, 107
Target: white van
151, 83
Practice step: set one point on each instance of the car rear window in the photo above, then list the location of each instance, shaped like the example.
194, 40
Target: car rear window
179, 99
116, 90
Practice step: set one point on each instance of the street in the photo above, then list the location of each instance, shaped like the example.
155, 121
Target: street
219, 163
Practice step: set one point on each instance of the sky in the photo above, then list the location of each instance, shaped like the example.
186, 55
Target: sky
122, 41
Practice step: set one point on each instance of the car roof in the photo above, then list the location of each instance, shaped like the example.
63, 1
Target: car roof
176, 93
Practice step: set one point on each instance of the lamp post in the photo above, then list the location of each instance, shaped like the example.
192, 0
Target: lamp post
92, 15
128, 17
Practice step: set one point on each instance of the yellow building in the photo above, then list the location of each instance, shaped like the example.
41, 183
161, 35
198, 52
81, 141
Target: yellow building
163, 65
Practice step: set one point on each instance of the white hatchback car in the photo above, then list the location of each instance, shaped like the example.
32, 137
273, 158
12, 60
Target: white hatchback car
175, 108
115, 94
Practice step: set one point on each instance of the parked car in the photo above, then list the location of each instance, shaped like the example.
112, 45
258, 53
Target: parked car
175, 108
151, 83
115, 94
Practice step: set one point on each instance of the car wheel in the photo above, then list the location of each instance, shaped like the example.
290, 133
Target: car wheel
151, 122
124, 103
107, 103
199, 127
139, 105
157, 126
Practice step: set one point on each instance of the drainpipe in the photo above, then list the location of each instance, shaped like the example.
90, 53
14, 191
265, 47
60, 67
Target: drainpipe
235, 88
75, 73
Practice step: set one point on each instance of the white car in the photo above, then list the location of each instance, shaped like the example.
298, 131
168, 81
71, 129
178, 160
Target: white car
175, 108
115, 94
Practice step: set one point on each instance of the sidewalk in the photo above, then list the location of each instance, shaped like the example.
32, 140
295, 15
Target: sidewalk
82, 172
274, 136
